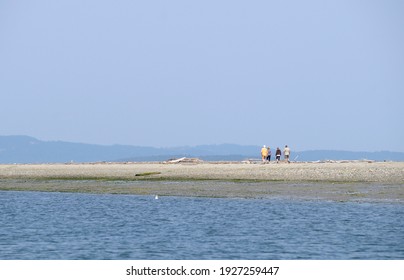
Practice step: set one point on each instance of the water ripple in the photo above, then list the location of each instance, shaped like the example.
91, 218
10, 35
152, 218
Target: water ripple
38, 225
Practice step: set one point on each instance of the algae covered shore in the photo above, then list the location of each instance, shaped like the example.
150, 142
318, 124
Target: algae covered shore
358, 181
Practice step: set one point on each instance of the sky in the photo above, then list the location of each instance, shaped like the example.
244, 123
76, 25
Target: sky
311, 74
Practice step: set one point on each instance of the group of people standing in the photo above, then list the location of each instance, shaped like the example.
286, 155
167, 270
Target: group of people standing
266, 154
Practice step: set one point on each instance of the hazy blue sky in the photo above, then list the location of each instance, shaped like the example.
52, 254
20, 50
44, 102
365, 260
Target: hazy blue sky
311, 74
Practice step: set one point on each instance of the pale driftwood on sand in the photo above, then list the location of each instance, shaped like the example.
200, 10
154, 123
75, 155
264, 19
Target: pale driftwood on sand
184, 160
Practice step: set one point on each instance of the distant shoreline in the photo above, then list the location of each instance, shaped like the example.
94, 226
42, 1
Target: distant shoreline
358, 181
26, 149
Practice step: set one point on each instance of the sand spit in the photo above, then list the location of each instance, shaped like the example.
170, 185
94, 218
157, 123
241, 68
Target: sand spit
382, 172
336, 181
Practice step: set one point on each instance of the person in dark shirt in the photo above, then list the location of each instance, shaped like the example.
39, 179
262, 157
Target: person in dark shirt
278, 155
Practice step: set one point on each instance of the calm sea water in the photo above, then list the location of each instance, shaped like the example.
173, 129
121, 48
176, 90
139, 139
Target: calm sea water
35, 225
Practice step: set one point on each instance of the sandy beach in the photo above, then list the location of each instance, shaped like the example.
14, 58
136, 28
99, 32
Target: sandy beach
359, 181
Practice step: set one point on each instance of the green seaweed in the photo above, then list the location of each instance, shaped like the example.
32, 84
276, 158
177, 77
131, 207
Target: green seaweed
147, 174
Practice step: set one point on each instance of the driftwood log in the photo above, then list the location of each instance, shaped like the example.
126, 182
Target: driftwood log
184, 160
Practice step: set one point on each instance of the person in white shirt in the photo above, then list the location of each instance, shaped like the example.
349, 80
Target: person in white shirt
286, 153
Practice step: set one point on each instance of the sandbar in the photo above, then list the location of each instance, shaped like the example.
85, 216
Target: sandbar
348, 181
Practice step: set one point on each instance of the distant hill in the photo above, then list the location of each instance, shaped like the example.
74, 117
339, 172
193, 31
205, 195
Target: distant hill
25, 149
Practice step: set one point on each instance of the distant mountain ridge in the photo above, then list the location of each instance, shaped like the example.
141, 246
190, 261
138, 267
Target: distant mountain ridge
26, 149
